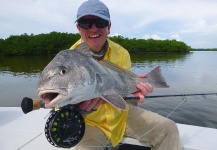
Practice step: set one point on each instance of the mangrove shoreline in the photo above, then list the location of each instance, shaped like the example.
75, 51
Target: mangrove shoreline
52, 43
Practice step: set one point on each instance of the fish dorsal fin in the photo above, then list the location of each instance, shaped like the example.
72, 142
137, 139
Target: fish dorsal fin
83, 49
116, 68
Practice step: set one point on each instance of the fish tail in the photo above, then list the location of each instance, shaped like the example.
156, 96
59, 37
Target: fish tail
156, 78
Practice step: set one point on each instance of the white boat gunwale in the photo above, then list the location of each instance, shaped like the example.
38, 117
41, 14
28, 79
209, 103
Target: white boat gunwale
26, 131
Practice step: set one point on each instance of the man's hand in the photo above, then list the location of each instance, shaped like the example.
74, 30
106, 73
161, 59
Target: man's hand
92, 104
144, 89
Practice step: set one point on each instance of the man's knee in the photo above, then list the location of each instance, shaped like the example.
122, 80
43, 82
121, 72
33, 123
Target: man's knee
94, 139
170, 125
89, 145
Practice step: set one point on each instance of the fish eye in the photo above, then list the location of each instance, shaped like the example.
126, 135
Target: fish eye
63, 71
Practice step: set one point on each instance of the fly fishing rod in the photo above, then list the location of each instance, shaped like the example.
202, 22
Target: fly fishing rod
182, 95
171, 95
65, 127
29, 104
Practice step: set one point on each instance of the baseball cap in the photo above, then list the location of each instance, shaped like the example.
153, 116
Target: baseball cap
94, 8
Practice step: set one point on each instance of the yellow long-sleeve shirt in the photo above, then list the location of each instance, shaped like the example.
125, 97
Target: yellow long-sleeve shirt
109, 119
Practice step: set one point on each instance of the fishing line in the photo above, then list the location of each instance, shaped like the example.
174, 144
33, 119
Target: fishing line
65, 127
29, 141
183, 99
15, 130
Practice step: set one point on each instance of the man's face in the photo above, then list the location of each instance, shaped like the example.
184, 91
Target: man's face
94, 37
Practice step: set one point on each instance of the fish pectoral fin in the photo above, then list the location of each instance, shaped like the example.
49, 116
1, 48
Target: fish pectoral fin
115, 100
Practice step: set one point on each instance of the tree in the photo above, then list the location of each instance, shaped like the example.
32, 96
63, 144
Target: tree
52, 43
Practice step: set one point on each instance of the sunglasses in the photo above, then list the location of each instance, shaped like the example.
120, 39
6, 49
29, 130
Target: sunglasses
87, 23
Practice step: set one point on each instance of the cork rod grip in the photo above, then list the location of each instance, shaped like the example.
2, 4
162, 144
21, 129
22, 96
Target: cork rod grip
29, 105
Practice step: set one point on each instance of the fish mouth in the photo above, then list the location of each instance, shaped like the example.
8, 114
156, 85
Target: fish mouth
52, 97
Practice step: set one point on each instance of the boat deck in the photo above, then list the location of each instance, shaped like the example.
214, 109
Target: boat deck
20, 131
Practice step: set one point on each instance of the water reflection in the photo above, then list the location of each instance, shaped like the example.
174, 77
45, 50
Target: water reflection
143, 62
160, 57
30, 65
23, 65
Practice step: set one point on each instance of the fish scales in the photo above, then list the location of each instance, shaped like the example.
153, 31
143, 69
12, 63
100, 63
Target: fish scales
74, 76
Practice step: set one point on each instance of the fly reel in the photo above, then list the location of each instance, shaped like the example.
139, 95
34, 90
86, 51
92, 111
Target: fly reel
65, 128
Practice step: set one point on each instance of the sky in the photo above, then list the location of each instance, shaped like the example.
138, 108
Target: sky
191, 21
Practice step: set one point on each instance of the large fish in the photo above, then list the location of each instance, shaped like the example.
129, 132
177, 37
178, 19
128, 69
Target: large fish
74, 76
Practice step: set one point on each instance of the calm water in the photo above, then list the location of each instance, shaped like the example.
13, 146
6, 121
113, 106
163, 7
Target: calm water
195, 72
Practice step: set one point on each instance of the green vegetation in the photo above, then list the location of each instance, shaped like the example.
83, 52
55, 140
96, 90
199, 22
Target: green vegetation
40, 44
204, 49
53, 42
150, 45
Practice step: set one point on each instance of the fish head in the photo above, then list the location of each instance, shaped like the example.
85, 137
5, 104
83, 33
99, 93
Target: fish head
63, 78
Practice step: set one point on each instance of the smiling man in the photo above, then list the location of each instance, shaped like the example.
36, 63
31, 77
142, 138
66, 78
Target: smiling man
94, 31
108, 124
